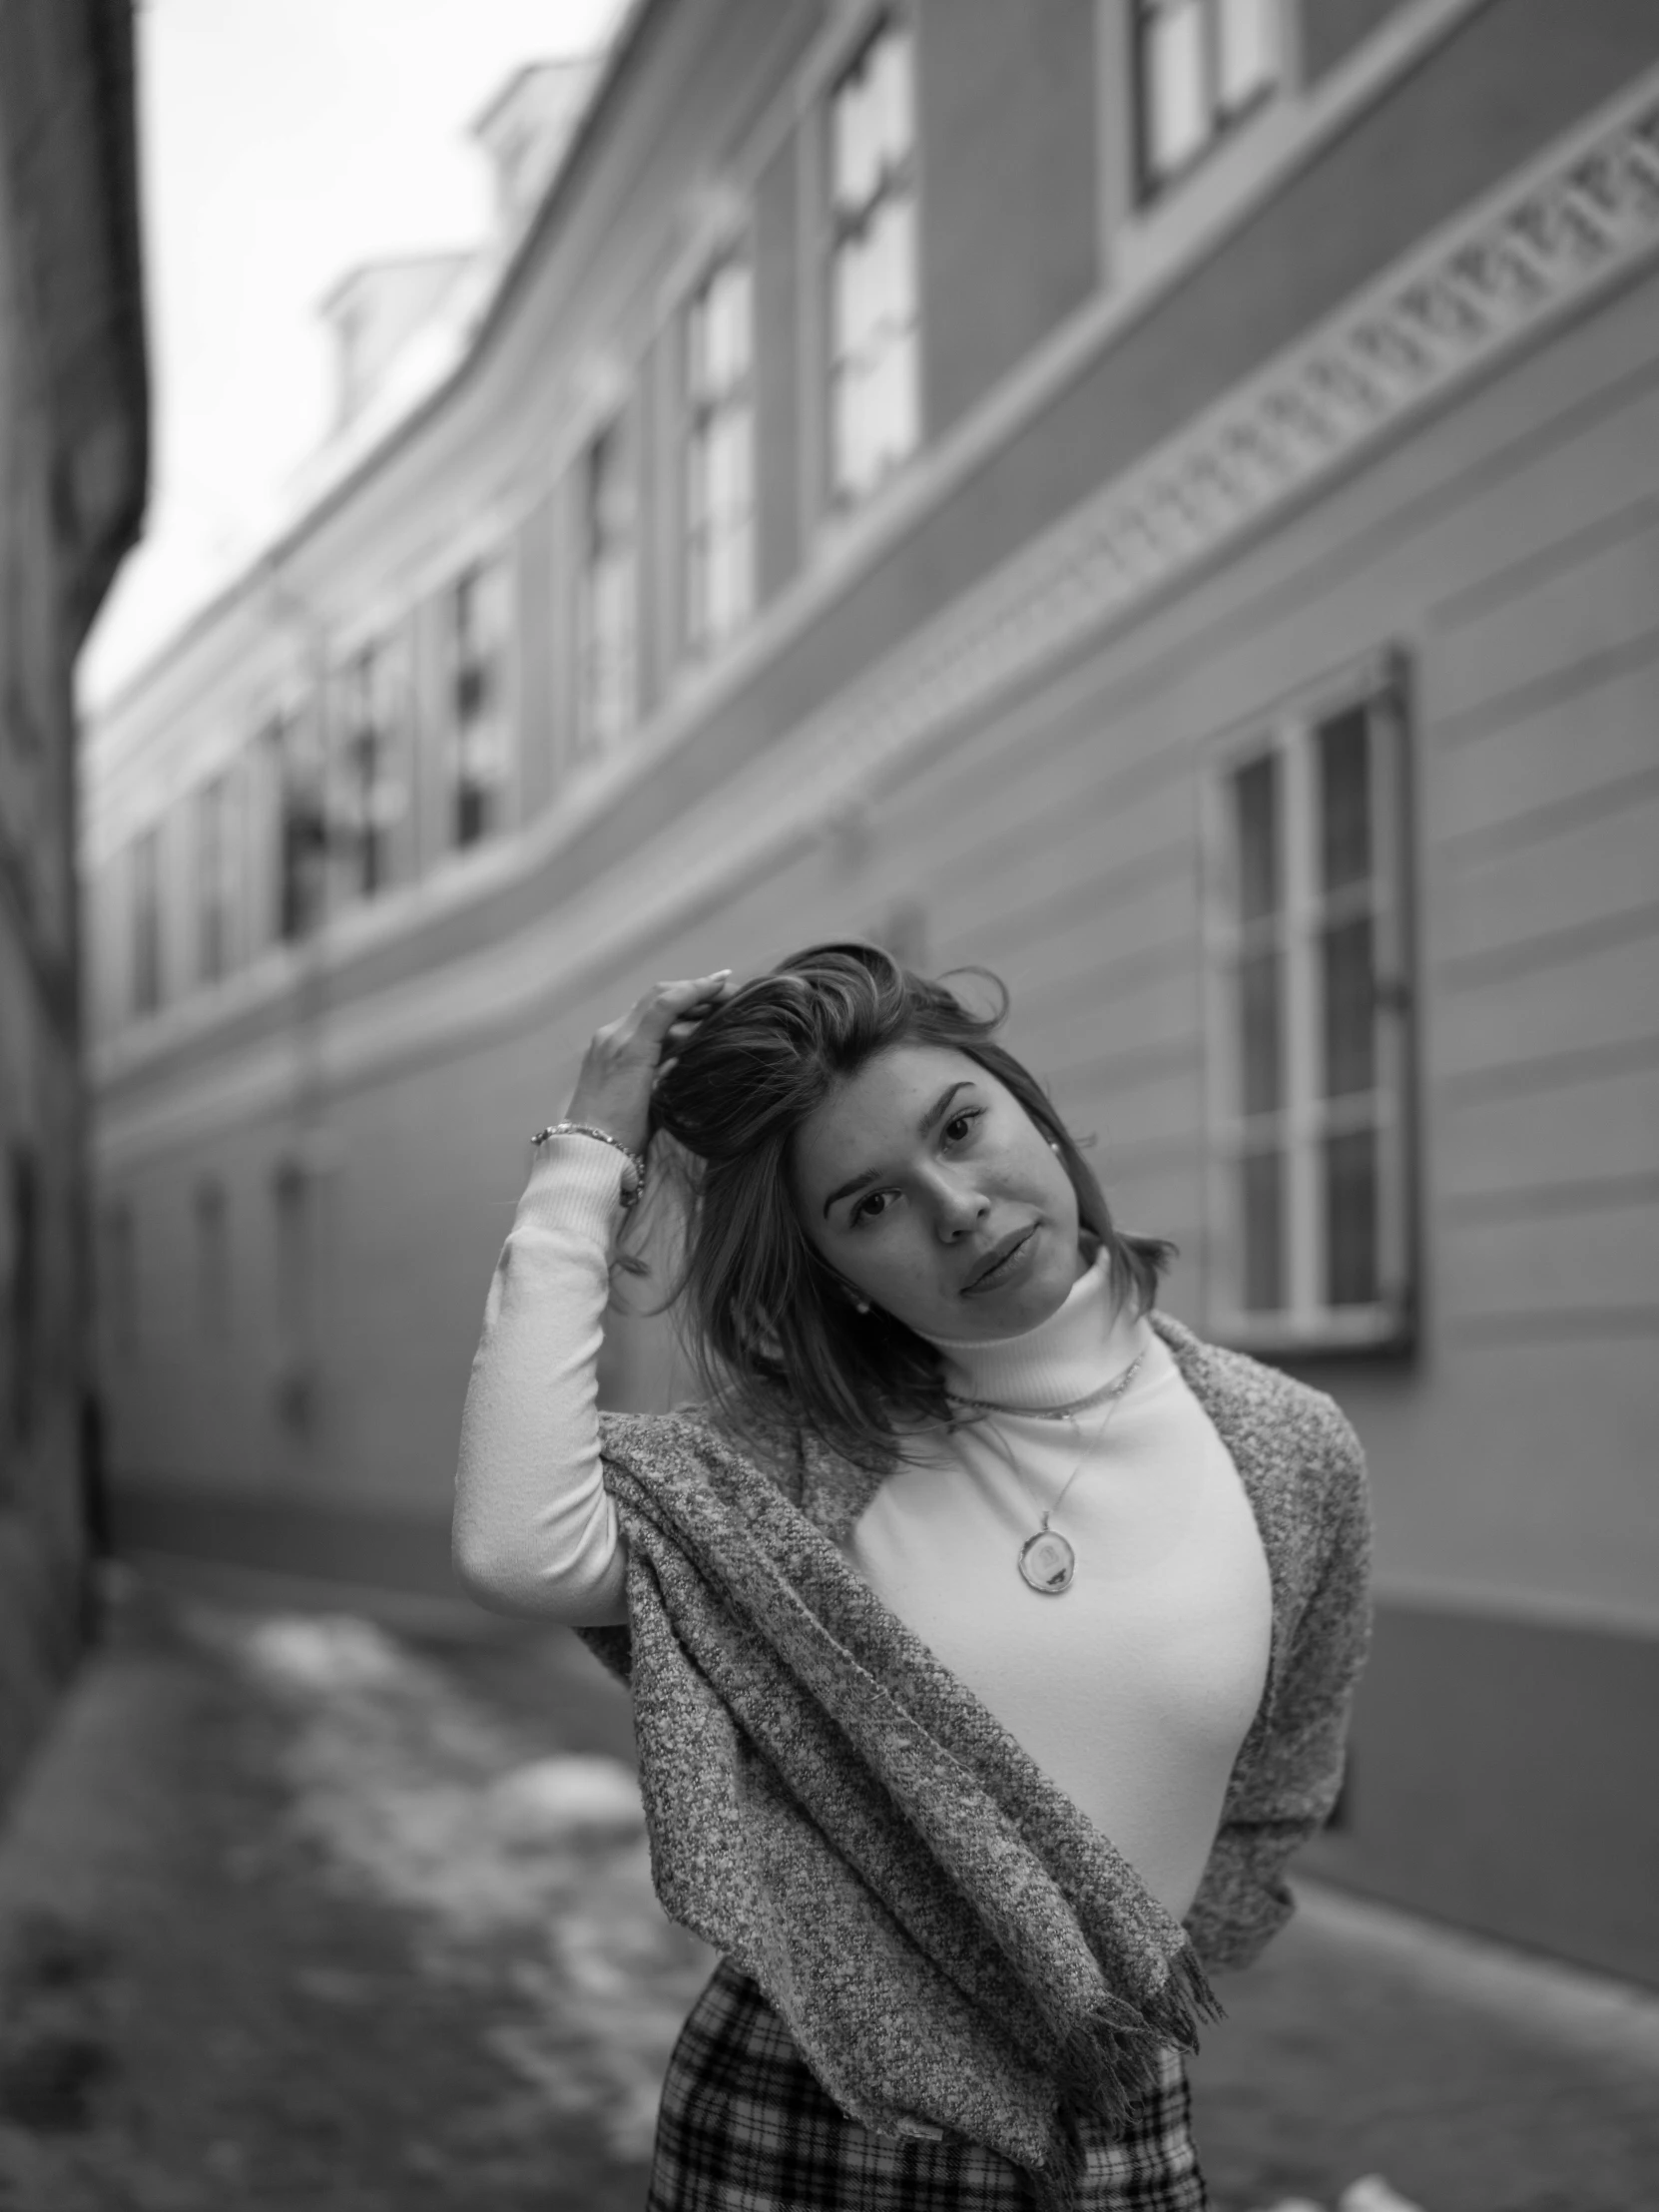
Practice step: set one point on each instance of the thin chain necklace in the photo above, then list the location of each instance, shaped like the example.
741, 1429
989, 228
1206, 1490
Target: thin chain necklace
1111, 1390
1048, 1561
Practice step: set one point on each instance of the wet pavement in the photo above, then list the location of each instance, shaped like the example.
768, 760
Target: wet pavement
298, 1910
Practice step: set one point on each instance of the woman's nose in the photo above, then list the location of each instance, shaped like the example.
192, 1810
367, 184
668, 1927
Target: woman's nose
958, 1207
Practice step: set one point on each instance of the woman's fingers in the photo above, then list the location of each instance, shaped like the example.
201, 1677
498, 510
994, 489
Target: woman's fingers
684, 1027
671, 1007
614, 1086
690, 991
688, 1026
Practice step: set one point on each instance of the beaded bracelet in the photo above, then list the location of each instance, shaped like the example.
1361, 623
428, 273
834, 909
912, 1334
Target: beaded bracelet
582, 1129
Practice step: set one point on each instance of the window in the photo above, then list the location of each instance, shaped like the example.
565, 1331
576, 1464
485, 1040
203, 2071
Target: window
369, 795
605, 689
302, 823
147, 920
874, 407
478, 660
1308, 938
720, 457
214, 879
213, 1260
1200, 67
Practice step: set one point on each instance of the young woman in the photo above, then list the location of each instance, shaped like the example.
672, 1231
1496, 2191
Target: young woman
991, 1637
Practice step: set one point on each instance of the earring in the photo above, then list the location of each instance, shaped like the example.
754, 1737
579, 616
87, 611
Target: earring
859, 1305
1053, 1144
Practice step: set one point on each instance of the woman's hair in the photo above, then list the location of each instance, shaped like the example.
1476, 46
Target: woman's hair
773, 1331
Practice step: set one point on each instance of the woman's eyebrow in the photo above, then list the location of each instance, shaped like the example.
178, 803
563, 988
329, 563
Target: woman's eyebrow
928, 1122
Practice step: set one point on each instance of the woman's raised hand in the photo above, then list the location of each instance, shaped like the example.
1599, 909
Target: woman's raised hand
613, 1089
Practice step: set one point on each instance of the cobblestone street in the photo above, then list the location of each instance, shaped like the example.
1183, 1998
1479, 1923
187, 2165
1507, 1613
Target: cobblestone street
297, 1912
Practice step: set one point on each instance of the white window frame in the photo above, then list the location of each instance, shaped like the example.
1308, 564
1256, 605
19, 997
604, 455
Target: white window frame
704, 407
371, 697
607, 579
215, 877
838, 497
479, 759
295, 758
1150, 184
1306, 1319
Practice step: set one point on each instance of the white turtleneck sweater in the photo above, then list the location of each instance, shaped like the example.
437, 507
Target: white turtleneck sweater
1132, 1690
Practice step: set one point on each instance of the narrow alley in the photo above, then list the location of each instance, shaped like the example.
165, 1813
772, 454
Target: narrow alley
301, 1913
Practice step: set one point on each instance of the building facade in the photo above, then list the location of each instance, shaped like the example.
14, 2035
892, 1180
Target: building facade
1158, 497
72, 473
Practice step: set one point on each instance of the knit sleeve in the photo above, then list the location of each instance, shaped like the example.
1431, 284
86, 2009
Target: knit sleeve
1285, 1792
534, 1529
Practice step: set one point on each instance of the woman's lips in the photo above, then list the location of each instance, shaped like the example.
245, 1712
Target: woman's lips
1000, 1269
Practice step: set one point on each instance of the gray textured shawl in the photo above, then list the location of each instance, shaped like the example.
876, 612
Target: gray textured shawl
952, 1944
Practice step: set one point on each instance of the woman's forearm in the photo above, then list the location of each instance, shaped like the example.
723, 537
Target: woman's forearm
534, 1532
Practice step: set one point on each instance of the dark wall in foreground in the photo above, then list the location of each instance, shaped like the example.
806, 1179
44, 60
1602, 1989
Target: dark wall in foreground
72, 448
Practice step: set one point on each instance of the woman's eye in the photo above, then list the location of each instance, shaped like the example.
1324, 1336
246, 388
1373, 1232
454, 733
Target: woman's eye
956, 1131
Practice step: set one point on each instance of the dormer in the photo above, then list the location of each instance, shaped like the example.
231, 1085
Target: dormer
375, 311
526, 129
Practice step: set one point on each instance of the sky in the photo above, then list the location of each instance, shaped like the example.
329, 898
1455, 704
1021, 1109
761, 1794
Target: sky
281, 144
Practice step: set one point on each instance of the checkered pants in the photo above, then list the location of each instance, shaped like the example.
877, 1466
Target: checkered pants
745, 2128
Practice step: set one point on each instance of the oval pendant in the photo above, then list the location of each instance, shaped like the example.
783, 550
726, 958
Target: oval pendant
1048, 1562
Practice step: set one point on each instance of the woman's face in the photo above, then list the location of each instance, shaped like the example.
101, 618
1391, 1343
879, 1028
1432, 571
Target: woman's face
920, 1170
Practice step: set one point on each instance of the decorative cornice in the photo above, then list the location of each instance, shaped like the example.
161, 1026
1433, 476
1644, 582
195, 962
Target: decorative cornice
1551, 240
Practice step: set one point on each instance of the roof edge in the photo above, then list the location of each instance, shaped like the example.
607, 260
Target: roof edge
282, 547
